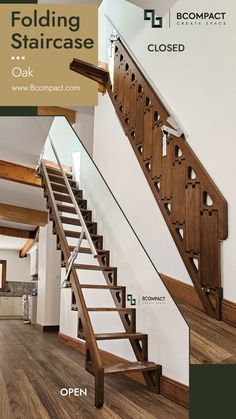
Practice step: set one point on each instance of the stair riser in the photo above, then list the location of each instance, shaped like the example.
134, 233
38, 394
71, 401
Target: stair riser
92, 227
63, 189
57, 172
66, 198
59, 179
87, 214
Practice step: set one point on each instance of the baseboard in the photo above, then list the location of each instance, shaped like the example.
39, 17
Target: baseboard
173, 390
187, 293
42, 328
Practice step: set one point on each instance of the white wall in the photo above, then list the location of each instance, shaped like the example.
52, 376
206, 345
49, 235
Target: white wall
167, 330
18, 269
48, 307
199, 85
84, 124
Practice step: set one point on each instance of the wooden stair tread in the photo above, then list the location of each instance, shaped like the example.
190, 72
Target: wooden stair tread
60, 179
71, 210
66, 198
56, 171
75, 221
105, 287
63, 186
130, 367
110, 309
88, 250
93, 267
122, 335
72, 233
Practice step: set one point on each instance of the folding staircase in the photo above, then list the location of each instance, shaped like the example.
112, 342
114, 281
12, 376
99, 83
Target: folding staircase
62, 212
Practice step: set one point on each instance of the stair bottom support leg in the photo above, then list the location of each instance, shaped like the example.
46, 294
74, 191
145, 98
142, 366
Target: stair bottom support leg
153, 379
99, 388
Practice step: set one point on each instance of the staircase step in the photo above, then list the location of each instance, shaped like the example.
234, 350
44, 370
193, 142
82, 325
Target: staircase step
130, 367
60, 179
87, 214
104, 254
94, 267
62, 188
105, 287
57, 172
124, 335
66, 198
97, 239
76, 221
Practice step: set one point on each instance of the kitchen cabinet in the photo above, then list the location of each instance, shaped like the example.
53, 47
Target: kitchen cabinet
10, 306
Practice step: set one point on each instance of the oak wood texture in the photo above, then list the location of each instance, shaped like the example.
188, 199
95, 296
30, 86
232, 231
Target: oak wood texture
17, 173
23, 215
15, 232
29, 244
180, 184
3, 264
58, 111
93, 72
54, 168
47, 328
54, 366
93, 362
170, 388
130, 367
212, 342
187, 293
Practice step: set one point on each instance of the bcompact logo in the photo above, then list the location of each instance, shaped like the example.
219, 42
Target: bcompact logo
206, 18
149, 14
131, 299
152, 299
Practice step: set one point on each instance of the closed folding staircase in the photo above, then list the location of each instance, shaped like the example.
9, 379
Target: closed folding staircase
68, 208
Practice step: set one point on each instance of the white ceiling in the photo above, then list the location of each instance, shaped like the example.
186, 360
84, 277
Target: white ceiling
22, 138
11, 243
21, 195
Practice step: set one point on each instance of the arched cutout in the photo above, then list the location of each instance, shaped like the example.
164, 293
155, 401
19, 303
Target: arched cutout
126, 67
180, 233
194, 263
148, 166
207, 199
148, 101
178, 152
156, 116
140, 150
140, 88
191, 174
133, 77
168, 208
121, 57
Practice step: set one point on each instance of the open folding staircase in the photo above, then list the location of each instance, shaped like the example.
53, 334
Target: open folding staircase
63, 197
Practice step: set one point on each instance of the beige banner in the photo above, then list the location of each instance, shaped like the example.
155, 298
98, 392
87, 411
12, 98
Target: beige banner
37, 45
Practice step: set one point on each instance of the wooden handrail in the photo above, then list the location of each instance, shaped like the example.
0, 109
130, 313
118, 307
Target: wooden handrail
194, 209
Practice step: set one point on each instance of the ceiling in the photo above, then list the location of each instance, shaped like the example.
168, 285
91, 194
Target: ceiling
22, 138
11, 243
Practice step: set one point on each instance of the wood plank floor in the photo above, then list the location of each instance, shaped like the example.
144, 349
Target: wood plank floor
35, 366
212, 342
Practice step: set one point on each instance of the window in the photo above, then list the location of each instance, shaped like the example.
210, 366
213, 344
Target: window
3, 265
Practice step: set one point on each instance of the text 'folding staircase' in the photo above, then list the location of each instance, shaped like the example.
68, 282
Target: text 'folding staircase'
67, 206
194, 209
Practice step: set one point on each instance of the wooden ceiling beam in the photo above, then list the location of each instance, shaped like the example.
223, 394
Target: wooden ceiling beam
23, 215
15, 232
29, 244
17, 173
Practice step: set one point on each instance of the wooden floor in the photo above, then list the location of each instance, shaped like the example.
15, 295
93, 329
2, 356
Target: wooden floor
212, 342
35, 366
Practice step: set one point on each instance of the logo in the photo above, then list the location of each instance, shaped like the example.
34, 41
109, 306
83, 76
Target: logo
149, 14
131, 299
148, 299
